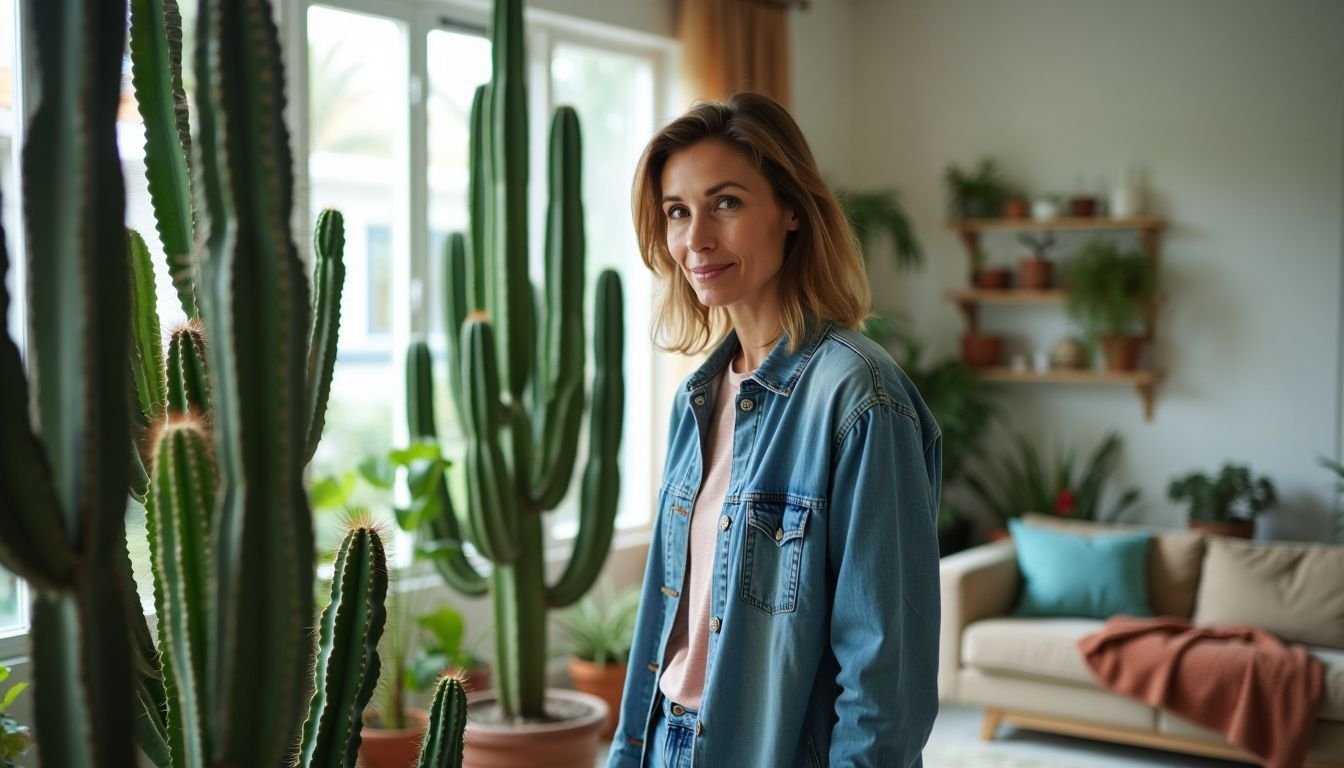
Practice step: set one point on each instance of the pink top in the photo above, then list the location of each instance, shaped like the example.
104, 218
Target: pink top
683, 678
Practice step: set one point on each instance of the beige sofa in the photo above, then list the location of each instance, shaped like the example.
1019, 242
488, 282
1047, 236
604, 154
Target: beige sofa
1028, 671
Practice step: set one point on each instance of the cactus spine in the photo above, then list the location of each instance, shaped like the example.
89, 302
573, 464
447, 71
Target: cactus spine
447, 721
518, 390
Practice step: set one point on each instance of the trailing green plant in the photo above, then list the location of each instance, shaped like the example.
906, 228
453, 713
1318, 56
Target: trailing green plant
226, 427
1023, 481
516, 379
15, 737
976, 194
1233, 494
1108, 287
879, 212
601, 631
445, 649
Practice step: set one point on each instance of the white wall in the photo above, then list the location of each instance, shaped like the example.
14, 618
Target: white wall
1234, 107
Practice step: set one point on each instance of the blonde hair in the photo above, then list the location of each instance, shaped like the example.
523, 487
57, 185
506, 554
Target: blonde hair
822, 276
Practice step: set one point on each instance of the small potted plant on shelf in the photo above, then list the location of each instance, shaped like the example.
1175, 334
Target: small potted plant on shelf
1227, 504
1026, 482
1107, 291
979, 194
1036, 271
988, 278
600, 634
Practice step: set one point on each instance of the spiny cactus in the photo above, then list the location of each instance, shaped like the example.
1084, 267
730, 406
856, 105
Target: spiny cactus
447, 720
229, 524
518, 389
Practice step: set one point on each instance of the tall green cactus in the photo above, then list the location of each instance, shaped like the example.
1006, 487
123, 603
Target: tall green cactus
230, 528
518, 389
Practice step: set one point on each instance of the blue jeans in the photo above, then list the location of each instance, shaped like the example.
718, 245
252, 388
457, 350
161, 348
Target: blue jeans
673, 736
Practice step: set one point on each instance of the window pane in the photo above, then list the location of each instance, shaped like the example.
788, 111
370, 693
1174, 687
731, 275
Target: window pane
613, 95
357, 164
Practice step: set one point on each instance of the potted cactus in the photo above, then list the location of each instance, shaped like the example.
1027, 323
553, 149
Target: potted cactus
215, 452
516, 383
1035, 272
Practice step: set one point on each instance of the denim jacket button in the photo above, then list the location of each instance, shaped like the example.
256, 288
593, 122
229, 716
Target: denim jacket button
747, 405
725, 522
779, 534
699, 399
699, 728
715, 625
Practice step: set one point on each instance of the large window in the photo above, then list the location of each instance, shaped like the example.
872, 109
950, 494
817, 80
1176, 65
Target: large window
389, 88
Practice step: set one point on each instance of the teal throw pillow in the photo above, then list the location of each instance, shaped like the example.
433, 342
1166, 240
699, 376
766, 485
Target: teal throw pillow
1091, 576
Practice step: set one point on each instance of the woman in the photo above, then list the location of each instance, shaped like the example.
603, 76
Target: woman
789, 614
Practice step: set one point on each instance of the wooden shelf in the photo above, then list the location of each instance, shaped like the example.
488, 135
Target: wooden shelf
1007, 296
1139, 223
1142, 381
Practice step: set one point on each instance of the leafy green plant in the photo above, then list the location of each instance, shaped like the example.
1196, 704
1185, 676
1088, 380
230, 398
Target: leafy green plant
516, 379
445, 649
1107, 287
961, 403
1024, 482
15, 737
879, 212
1338, 470
601, 631
1230, 496
977, 194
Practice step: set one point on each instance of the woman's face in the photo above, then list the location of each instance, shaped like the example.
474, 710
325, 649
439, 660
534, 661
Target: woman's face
725, 229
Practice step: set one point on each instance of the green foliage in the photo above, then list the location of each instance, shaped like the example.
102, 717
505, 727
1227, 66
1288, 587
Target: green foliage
1232, 495
976, 194
1024, 482
960, 402
1107, 287
879, 212
15, 737
446, 631
601, 631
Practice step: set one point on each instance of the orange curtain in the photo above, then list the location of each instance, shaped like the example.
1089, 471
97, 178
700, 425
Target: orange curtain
734, 45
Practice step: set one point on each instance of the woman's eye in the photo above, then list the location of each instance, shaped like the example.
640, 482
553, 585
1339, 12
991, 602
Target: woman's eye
730, 203
676, 212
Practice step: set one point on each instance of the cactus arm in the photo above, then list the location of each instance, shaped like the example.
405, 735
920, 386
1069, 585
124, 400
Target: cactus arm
442, 746
156, 74
328, 283
455, 293
256, 306
151, 725
149, 734
347, 659
601, 476
420, 392
479, 201
188, 381
563, 357
493, 508
513, 312
518, 590
146, 338
184, 494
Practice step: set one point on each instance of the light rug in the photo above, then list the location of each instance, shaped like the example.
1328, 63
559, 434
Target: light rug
950, 755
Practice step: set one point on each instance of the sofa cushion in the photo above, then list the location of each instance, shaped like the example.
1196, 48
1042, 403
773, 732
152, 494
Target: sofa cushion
1332, 697
1292, 590
1042, 648
1174, 560
1069, 574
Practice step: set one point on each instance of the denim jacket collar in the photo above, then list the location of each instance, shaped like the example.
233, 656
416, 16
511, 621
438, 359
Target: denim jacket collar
780, 370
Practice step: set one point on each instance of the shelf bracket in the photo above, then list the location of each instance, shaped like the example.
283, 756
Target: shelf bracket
1146, 395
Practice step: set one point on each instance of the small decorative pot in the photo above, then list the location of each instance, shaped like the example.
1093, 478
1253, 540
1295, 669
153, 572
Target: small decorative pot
1083, 206
1068, 353
980, 350
1121, 352
1015, 208
1044, 209
994, 278
1034, 274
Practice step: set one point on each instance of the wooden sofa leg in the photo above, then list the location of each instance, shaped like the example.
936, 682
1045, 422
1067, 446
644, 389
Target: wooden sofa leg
990, 725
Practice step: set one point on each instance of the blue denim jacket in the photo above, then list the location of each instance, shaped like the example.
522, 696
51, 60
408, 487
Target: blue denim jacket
825, 583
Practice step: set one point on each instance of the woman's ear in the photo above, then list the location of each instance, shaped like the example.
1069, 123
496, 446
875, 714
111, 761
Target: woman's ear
791, 220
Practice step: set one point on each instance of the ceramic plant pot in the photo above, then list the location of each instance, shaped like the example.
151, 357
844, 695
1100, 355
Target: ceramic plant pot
606, 681
571, 742
1121, 352
1034, 274
400, 748
980, 350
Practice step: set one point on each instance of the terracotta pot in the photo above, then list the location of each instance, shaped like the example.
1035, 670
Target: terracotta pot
1015, 208
566, 744
1121, 352
606, 682
1241, 529
979, 349
476, 679
999, 534
381, 748
1034, 274
994, 279
1083, 206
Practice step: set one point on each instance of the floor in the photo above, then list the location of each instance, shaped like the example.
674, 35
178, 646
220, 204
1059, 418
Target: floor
955, 743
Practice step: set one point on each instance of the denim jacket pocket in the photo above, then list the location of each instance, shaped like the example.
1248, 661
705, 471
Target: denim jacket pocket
772, 556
